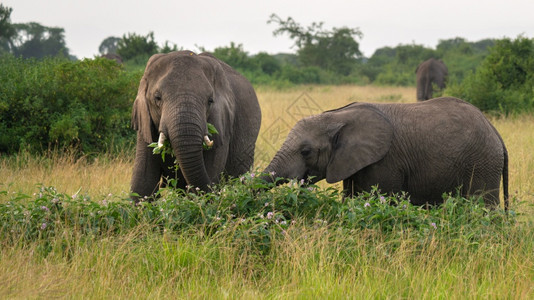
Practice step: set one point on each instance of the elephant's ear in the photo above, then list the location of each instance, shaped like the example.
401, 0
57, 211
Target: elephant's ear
141, 120
363, 138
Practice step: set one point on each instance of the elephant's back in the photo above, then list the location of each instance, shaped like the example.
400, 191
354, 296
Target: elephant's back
448, 123
447, 141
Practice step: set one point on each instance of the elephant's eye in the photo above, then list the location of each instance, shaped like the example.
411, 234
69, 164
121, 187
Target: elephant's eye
157, 96
210, 100
305, 152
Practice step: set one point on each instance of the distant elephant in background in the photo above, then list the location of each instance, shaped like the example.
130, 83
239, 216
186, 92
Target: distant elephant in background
179, 93
429, 72
425, 148
113, 56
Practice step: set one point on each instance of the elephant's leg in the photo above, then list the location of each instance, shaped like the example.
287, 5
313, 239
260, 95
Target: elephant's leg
146, 172
348, 188
482, 184
215, 161
240, 159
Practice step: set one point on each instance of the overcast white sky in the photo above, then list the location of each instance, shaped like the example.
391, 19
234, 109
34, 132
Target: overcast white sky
212, 24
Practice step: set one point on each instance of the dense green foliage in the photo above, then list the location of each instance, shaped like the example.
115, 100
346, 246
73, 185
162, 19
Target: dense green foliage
54, 103
396, 66
255, 217
504, 81
387, 66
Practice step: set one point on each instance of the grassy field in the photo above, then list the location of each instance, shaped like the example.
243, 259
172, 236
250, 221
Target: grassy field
307, 261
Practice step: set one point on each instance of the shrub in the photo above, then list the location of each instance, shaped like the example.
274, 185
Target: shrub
504, 82
247, 209
53, 103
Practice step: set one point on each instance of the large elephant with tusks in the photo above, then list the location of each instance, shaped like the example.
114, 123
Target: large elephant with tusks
179, 94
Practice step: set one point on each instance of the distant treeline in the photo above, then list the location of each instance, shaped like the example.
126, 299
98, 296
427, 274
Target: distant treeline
387, 66
49, 100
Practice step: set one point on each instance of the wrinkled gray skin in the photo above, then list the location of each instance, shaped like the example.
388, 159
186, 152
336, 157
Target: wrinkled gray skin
430, 72
424, 148
178, 94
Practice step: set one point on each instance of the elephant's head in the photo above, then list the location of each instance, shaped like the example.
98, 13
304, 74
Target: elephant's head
333, 145
178, 94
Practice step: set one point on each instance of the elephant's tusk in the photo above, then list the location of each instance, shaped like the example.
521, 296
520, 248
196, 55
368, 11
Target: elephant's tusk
207, 141
161, 139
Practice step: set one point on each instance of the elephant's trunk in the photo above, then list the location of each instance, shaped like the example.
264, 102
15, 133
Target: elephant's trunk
276, 169
186, 137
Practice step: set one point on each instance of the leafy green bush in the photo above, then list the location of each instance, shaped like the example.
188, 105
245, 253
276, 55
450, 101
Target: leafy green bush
247, 209
504, 82
55, 103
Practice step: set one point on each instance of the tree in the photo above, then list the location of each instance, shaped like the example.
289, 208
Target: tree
109, 45
7, 31
234, 55
132, 45
35, 40
504, 81
267, 63
335, 50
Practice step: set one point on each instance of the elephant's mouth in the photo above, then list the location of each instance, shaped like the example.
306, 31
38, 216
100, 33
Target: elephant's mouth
162, 138
311, 176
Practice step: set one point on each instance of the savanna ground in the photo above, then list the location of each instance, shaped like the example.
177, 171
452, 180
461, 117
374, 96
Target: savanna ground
308, 261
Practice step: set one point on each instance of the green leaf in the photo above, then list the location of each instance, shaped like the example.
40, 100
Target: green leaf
163, 150
211, 129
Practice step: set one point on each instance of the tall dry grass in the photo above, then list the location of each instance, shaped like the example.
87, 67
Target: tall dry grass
98, 176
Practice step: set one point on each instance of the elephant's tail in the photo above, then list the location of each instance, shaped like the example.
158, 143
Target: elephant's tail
505, 179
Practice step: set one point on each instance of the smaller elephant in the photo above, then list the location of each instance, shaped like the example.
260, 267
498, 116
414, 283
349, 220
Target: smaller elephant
430, 72
425, 149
